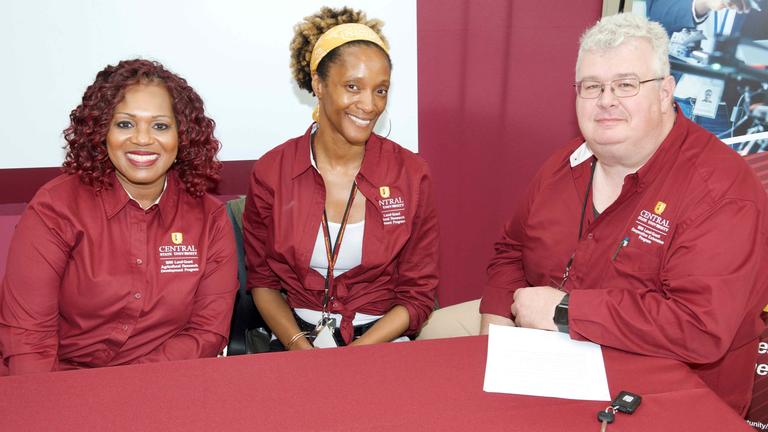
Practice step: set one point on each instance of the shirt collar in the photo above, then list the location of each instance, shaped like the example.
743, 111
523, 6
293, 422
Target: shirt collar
372, 167
302, 160
669, 148
369, 168
165, 184
312, 130
581, 154
676, 134
116, 197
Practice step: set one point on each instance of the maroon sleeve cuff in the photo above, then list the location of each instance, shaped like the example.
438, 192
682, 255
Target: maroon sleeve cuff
418, 316
31, 363
497, 301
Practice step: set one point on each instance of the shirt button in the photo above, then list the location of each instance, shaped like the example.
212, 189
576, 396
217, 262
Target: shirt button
137, 296
139, 261
590, 236
125, 327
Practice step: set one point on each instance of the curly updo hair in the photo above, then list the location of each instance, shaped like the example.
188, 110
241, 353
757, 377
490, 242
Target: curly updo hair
196, 163
307, 32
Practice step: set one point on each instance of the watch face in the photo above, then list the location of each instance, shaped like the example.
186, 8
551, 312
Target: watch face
561, 315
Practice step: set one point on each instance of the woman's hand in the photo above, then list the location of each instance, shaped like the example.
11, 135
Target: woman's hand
279, 317
387, 328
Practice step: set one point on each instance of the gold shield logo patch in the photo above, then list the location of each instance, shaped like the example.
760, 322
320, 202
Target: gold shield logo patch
177, 238
384, 191
660, 206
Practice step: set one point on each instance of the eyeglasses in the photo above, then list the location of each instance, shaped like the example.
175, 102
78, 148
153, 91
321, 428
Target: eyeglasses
623, 87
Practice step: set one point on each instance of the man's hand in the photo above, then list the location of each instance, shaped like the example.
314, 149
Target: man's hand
703, 7
534, 307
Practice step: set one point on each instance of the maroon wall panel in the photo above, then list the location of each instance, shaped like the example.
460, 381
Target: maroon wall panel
19, 185
495, 99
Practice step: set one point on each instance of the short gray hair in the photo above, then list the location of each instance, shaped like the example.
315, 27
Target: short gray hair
612, 31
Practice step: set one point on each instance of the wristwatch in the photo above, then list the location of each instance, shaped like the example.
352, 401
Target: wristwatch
561, 315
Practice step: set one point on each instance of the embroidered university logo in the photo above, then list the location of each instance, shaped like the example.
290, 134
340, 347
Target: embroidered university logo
392, 206
651, 227
178, 257
177, 238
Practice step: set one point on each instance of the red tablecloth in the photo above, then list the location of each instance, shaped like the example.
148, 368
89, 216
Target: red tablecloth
424, 385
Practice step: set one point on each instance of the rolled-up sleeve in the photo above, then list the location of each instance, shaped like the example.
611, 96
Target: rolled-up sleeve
505, 273
258, 208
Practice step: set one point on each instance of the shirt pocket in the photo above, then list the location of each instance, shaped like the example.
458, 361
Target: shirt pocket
633, 269
633, 262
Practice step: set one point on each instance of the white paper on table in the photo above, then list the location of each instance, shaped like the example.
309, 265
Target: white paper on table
544, 363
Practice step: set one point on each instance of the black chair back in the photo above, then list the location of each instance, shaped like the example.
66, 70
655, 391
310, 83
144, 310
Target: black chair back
245, 316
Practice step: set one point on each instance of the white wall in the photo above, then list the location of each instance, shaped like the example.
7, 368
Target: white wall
233, 52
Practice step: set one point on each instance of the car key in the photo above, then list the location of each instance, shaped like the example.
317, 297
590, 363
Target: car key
605, 418
625, 402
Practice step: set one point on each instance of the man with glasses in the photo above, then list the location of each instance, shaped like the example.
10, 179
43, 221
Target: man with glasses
646, 234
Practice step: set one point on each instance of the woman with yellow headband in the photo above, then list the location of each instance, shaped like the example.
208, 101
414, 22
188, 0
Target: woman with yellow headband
340, 227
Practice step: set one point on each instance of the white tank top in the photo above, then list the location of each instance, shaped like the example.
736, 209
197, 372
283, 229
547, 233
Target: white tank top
350, 254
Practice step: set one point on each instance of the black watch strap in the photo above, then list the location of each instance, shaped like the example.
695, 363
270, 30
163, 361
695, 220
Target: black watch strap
561, 315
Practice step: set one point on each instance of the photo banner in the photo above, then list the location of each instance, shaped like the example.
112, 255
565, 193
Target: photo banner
719, 58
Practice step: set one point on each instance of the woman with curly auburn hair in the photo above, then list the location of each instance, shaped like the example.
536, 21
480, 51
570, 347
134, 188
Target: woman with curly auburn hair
340, 219
124, 258
87, 156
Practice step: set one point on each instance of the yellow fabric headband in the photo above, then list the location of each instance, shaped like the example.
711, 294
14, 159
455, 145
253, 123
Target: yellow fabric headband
339, 35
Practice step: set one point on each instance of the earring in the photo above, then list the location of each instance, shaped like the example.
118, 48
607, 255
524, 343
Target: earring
316, 113
389, 127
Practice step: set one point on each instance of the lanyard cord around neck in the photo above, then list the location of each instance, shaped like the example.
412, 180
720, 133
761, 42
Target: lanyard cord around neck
332, 252
586, 198
581, 222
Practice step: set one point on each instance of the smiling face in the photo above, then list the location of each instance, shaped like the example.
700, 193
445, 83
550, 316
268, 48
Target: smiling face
142, 140
354, 94
625, 130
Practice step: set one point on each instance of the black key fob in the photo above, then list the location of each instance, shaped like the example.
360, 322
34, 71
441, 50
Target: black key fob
626, 402
606, 416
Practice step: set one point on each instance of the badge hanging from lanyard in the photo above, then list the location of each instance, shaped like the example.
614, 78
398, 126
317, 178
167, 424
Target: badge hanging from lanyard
322, 335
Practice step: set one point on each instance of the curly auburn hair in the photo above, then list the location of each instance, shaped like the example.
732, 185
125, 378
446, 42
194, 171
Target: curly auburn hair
307, 32
196, 163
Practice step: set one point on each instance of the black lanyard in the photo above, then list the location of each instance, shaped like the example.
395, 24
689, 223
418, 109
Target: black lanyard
581, 224
332, 251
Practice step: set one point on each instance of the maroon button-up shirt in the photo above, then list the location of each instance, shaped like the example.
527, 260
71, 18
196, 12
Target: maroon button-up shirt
93, 280
675, 267
399, 265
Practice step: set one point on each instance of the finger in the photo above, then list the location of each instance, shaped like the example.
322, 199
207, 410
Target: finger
519, 322
741, 6
744, 6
